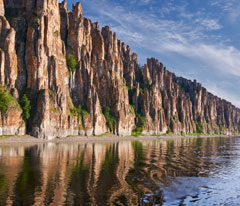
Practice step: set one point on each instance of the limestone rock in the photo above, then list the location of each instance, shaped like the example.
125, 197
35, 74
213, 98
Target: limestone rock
11, 121
2, 11
82, 80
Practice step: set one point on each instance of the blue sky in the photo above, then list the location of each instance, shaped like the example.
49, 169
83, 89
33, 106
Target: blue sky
196, 39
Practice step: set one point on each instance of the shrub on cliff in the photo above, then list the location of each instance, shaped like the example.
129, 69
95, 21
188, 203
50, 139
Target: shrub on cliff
141, 122
71, 63
26, 106
5, 100
199, 127
110, 119
79, 111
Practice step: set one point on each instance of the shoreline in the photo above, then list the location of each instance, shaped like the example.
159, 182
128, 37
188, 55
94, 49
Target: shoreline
26, 140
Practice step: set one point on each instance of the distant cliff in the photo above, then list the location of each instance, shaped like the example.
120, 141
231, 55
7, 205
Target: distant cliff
61, 75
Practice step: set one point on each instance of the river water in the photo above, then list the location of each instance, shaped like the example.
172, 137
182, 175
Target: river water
185, 171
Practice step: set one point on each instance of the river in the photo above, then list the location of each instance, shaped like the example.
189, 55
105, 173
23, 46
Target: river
184, 171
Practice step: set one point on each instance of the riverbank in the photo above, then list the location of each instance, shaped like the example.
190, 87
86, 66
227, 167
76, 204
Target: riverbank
93, 139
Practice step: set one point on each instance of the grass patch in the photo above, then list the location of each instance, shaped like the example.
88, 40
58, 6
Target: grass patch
101, 135
194, 134
72, 136
5, 136
156, 135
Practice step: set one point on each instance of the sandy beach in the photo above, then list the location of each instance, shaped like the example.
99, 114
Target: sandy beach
19, 140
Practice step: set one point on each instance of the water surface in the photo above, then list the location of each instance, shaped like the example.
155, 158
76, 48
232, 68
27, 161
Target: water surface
187, 171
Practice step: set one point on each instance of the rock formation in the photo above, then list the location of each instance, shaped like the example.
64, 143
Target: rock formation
81, 80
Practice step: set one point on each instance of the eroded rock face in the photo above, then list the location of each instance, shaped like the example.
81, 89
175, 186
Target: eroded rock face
2, 11
82, 80
11, 121
8, 53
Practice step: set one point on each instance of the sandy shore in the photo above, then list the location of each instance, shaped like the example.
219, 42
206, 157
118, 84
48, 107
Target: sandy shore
19, 140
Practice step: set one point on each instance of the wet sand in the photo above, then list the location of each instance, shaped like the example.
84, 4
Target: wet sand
19, 140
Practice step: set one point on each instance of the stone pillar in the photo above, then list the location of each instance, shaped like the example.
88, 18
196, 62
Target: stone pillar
2, 13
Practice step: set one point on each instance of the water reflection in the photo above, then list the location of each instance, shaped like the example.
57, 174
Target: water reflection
163, 172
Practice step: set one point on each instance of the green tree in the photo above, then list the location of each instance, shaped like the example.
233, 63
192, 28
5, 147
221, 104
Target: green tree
71, 63
5, 100
26, 106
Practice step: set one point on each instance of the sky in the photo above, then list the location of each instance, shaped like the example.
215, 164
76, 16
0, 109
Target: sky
196, 39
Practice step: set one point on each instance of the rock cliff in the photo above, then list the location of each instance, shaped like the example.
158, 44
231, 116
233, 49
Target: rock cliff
81, 80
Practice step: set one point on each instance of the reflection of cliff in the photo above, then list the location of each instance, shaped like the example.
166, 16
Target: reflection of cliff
11, 160
124, 194
125, 173
29, 179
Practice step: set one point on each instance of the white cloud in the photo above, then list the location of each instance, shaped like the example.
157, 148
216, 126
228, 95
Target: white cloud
219, 57
230, 9
209, 24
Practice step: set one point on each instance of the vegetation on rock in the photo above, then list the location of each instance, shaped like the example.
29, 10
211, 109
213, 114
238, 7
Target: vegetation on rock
131, 109
131, 92
5, 100
139, 126
110, 119
71, 63
199, 128
26, 106
79, 111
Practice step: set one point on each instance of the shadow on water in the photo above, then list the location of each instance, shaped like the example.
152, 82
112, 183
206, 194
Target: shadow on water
187, 171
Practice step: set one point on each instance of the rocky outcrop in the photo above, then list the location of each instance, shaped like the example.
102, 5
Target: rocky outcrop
183, 106
81, 80
2, 11
11, 122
